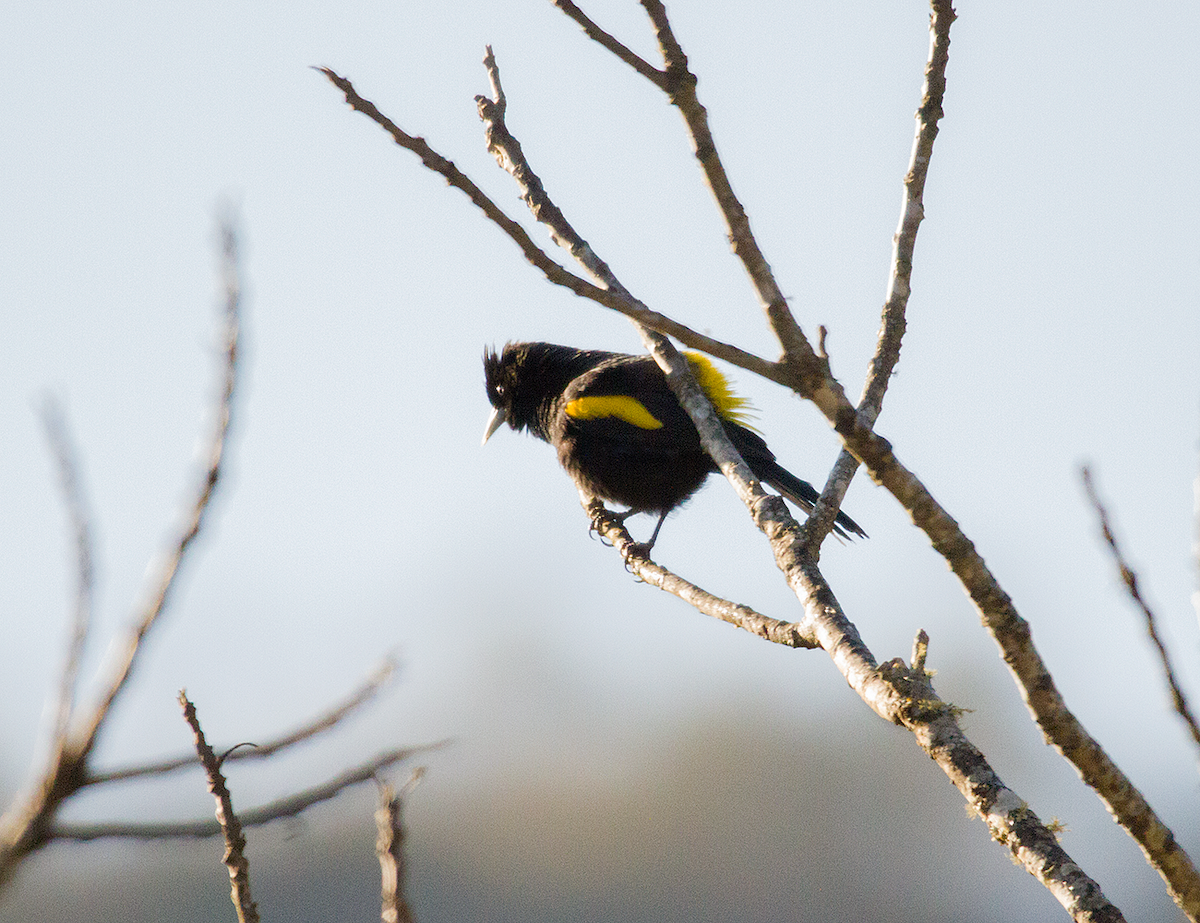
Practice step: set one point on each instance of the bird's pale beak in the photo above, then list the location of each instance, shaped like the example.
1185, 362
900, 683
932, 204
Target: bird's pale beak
493, 423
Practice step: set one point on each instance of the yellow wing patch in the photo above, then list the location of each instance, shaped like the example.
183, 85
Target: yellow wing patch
620, 406
719, 390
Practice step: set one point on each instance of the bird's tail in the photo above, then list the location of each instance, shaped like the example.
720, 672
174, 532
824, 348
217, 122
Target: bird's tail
802, 494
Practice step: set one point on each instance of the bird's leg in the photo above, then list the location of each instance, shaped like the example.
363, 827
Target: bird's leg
654, 535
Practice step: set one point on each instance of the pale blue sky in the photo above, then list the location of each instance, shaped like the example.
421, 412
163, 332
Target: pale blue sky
1054, 320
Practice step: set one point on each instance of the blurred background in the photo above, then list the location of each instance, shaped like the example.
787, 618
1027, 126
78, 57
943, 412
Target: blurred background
614, 755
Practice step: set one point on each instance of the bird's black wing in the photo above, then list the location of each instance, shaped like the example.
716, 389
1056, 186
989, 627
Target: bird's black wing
623, 436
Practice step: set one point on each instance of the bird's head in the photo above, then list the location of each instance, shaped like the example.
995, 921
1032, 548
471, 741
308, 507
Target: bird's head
500, 380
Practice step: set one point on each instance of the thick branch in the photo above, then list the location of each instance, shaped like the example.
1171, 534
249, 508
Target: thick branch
906, 697
812, 379
1012, 634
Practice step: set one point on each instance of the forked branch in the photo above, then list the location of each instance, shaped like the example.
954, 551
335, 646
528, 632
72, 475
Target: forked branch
553, 271
813, 380
324, 722
806, 370
934, 726
289, 806
28, 824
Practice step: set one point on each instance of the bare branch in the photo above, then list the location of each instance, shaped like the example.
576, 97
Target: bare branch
618, 301
389, 847
808, 372
905, 696
434, 161
598, 35
1129, 578
813, 380
66, 456
912, 211
28, 824
825, 511
1013, 635
321, 723
161, 586
904, 241
611, 528
680, 87
231, 828
1008, 817
291, 806
1006, 814
508, 153
881, 687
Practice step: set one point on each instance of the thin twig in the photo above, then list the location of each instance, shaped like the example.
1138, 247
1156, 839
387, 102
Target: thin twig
606, 40
680, 86
1129, 578
65, 454
161, 586
912, 211
554, 272
612, 530
324, 722
389, 848
231, 829
290, 806
28, 825
904, 242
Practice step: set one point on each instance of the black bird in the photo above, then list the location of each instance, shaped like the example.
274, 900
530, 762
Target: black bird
620, 431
